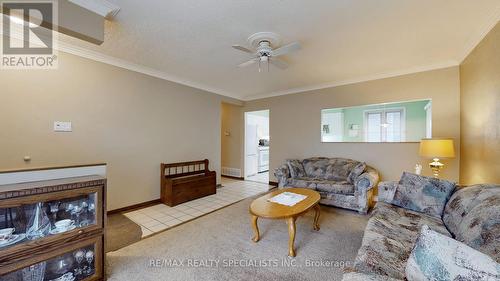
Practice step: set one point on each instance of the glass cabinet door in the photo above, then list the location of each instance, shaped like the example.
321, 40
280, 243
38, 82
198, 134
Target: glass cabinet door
50, 214
82, 262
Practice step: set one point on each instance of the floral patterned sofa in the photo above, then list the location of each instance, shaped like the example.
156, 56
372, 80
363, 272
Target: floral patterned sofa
341, 182
470, 215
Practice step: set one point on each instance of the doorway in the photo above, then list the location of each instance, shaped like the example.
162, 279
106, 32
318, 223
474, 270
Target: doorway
257, 146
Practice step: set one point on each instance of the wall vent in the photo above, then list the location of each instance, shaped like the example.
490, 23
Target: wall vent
232, 172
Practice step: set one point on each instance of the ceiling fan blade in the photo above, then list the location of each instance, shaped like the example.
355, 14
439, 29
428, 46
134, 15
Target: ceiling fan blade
286, 49
243, 49
279, 63
247, 63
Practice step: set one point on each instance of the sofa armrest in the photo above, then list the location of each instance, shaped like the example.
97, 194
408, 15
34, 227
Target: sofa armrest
356, 276
367, 180
386, 191
282, 174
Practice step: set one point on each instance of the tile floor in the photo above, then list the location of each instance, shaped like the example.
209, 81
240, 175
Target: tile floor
260, 177
160, 217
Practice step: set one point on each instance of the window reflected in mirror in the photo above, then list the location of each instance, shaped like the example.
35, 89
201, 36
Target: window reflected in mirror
408, 121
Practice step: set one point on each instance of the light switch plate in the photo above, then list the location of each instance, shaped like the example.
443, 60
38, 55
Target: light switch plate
62, 126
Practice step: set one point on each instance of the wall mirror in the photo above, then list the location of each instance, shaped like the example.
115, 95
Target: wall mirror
408, 121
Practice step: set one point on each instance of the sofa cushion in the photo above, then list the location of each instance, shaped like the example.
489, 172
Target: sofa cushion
337, 169
340, 168
315, 167
346, 201
389, 237
422, 194
302, 182
473, 216
337, 187
356, 172
296, 168
438, 257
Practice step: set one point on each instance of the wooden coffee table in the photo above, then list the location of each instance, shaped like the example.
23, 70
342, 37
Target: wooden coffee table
261, 208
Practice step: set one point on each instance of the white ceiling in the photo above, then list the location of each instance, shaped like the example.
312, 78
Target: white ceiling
343, 41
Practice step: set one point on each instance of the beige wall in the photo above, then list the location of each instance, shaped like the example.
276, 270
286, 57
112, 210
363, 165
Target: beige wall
480, 119
128, 120
133, 121
232, 148
295, 121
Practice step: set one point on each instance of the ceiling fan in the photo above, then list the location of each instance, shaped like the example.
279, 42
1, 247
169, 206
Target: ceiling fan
262, 50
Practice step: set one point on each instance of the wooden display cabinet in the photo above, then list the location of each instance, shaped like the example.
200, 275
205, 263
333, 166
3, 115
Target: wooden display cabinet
59, 230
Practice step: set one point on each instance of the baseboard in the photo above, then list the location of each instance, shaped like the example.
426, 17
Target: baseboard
134, 207
273, 183
158, 201
234, 178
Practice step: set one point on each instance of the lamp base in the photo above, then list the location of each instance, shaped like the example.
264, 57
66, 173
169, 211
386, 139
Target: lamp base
436, 166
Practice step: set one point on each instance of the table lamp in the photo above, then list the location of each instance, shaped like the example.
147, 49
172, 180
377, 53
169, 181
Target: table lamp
437, 149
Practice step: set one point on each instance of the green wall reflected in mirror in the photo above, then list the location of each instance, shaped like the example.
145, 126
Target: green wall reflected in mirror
388, 122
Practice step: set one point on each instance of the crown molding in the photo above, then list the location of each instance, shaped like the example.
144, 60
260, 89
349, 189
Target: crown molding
99, 57
96, 56
475, 40
492, 21
382, 75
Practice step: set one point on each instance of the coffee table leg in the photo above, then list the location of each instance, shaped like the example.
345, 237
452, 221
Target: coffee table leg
255, 229
316, 216
291, 233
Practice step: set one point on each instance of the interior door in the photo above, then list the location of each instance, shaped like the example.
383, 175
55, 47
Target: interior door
251, 144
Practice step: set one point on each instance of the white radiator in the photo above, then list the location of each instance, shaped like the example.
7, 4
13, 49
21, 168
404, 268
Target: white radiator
232, 172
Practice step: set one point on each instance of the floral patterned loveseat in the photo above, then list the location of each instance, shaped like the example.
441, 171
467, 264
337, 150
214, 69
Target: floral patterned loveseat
341, 182
468, 214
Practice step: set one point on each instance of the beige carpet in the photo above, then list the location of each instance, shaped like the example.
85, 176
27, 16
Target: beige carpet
218, 246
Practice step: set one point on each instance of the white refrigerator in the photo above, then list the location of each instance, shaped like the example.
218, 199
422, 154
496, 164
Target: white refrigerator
251, 144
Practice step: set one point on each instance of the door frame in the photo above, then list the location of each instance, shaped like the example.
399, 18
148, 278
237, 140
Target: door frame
245, 118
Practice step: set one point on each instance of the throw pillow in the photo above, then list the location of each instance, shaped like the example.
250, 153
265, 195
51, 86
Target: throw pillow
414, 179
423, 194
356, 172
472, 215
296, 168
438, 257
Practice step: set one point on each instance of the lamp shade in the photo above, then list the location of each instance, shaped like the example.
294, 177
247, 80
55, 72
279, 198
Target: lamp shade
437, 148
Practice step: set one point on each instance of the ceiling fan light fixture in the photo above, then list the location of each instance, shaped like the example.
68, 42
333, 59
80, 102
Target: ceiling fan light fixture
264, 50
